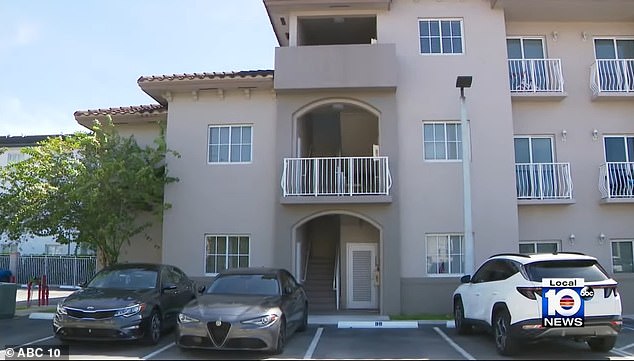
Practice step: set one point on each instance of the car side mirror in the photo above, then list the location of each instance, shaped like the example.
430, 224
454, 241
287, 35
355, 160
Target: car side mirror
201, 288
288, 290
465, 279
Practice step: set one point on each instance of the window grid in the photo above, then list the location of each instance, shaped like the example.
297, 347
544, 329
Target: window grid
533, 247
442, 141
230, 144
445, 254
226, 251
622, 256
440, 36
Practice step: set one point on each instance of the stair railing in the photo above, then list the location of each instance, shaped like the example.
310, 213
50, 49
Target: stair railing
306, 259
335, 279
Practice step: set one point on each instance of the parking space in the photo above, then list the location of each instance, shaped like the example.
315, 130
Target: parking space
328, 342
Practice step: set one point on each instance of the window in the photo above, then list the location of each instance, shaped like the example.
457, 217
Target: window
615, 63
495, 270
619, 156
622, 256
445, 254
536, 176
440, 36
8, 248
14, 157
528, 70
224, 251
230, 144
533, 247
442, 141
56, 249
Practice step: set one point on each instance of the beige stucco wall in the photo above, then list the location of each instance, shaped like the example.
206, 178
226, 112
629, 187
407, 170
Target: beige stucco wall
220, 198
579, 116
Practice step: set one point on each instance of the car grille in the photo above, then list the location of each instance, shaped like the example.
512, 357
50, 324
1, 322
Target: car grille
98, 315
246, 343
95, 332
218, 333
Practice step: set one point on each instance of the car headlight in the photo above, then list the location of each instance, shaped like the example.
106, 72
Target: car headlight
130, 310
183, 318
262, 321
61, 309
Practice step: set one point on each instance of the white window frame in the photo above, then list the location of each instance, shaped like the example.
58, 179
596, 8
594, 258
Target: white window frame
612, 254
622, 136
15, 157
521, 39
614, 40
227, 254
231, 127
448, 255
530, 146
446, 142
8, 248
535, 243
440, 36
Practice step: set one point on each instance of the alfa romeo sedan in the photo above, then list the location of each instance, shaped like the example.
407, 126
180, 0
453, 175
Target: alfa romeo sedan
245, 309
125, 301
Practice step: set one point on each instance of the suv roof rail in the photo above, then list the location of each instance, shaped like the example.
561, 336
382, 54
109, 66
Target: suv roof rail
575, 253
511, 254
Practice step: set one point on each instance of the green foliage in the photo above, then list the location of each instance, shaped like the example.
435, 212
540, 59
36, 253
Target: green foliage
99, 189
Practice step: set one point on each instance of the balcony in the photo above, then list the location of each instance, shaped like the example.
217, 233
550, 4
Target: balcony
336, 180
543, 183
536, 78
616, 182
612, 78
328, 67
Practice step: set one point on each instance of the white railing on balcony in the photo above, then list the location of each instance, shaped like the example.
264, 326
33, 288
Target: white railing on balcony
616, 180
543, 181
612, 75
535, 75
336, 176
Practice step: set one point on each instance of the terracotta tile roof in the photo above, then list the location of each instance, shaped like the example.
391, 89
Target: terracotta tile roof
207, 76
131, 110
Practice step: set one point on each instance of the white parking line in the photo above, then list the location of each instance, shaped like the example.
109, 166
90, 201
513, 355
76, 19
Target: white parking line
621, 353
152, 354
313, 344
464, 353
628, 328
625, 347
37, 341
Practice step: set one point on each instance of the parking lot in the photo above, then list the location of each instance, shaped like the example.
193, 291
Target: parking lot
325, 342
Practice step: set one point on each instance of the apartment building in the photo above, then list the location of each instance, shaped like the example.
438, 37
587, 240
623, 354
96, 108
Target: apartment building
344, 163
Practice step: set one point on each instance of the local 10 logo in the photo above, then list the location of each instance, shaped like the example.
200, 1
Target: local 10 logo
563, 301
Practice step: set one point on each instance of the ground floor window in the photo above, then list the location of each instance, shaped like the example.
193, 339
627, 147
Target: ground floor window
533, 247
56, 249
622, 256
226, 251
445, 254
8, 248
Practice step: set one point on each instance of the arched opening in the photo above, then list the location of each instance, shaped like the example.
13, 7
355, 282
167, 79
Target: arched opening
337, 151
337, 259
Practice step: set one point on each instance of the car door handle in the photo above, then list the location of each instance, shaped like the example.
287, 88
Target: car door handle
477, 294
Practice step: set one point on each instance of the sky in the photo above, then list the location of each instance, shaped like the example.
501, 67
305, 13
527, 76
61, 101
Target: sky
57, 57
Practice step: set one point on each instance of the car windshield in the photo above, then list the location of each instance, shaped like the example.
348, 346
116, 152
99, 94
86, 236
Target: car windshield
256, 284
129, 279
589, 270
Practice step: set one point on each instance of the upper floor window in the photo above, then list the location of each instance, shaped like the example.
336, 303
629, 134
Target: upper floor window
440, 36
442, 141
230, 144
529, 247
622, 256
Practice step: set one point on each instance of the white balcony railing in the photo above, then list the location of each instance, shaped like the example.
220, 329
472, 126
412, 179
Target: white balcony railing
543, 181
616, 180
535, 75
612, 75
336, 176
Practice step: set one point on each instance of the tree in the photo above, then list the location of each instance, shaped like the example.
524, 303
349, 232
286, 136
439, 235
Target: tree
98, 189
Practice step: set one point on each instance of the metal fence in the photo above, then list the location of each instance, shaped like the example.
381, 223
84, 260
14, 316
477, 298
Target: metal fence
4, 261
59, 270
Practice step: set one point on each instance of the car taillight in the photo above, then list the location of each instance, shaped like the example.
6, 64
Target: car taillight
530, 292
608, 291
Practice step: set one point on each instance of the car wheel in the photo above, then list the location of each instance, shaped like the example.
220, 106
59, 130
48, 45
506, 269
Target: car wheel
281, 339
153, 329
458, 314
304, 325
601, 344
505, 343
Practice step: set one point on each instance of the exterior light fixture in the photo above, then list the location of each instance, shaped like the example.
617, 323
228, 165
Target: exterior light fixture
564, 135
571, 238
595, 134
602, 238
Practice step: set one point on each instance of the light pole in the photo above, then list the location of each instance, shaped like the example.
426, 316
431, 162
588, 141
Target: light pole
463, 82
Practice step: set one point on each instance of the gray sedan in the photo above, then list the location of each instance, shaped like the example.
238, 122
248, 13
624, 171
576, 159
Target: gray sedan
245, 309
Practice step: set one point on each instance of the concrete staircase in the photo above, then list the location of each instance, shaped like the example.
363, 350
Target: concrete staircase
318, 285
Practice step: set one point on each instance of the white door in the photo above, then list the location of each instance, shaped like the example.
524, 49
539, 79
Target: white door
362, 285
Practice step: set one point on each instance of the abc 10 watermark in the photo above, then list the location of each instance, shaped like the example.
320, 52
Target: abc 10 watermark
36, 352
563, 302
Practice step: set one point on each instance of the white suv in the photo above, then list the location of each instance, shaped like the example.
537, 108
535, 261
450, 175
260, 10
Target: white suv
505, 295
